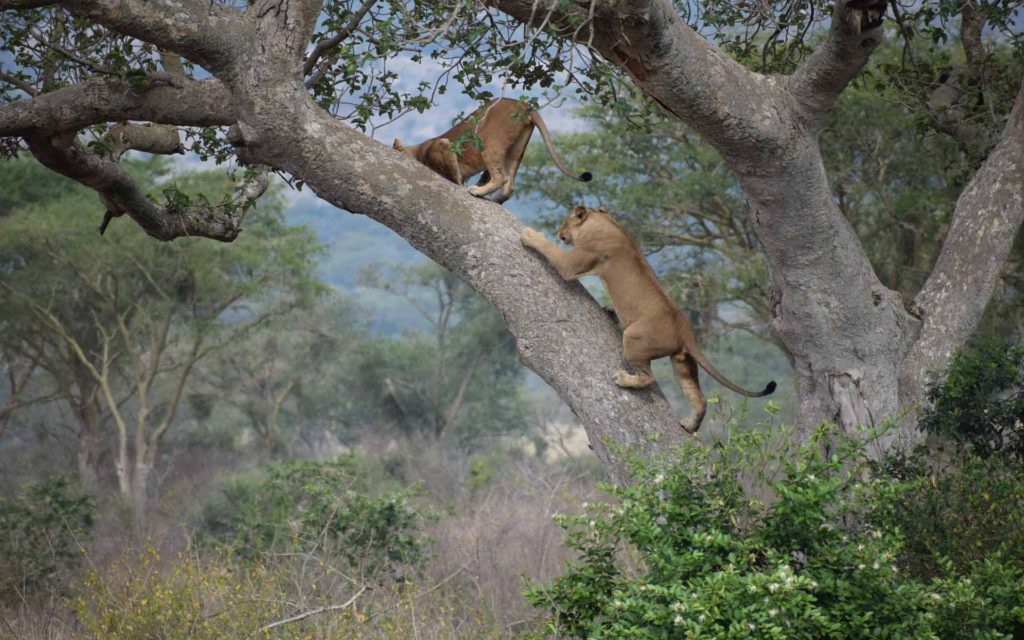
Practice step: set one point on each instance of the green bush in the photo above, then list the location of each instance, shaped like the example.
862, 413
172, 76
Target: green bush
981, 401
320, 507
41, 532
743, 540
957, 513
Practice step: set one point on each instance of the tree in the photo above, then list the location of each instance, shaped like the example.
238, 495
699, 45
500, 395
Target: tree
119, 325
895, 177
458, 378
276, 377
281, 76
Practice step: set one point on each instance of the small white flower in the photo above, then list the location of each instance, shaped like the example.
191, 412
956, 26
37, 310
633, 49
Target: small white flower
702, 618
877, 535
661, 520
810, 476
874, 565
658, 479
586, 504
773, 587
677, 620
934, 596
772, 613
861, 566
752, 588
677, 606
814, 584
617, 604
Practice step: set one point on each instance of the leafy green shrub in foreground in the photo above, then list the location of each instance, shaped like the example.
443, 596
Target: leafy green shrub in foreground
41, 532
691, 551
320, 507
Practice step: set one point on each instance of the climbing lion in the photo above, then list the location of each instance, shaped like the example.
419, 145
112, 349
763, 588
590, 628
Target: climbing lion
502, 128
653, 327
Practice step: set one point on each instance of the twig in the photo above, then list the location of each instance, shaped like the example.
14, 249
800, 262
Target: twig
312, 612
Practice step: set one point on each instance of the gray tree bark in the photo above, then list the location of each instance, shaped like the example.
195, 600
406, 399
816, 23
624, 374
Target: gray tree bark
848, 335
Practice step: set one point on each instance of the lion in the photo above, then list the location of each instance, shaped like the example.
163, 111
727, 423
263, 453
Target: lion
503, 128
653, 326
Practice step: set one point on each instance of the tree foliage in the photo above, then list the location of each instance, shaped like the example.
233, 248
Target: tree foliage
981, 400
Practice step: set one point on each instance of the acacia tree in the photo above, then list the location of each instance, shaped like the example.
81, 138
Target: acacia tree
283, 75
116, 327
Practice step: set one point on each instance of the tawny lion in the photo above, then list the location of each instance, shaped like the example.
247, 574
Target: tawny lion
653, 326
503, 128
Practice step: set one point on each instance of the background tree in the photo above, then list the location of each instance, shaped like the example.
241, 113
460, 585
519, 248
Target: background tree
457, 378
287, 374
276, 74
118, 324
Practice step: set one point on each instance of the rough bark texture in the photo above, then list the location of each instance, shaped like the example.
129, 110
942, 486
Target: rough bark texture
847, 334
986, 219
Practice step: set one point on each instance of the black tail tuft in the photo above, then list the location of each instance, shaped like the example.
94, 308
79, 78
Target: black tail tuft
770, 388
586, 176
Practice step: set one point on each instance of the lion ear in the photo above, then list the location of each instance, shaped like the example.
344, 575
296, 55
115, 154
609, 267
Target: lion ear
580, 212
397, 145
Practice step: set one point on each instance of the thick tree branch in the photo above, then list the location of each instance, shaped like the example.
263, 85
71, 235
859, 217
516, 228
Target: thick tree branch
855, 32
163, 99
987, 218
210, 34
122, 196
741, 113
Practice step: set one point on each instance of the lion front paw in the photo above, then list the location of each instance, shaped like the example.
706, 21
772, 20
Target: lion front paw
531, 237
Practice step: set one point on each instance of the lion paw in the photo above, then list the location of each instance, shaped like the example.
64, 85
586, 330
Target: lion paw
690, 425
625, 380
531, 237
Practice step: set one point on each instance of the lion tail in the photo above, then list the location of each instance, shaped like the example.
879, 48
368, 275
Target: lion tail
705, 364
586, 176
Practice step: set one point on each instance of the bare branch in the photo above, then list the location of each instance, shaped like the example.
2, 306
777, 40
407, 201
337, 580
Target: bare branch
18, 83
327, 44
314, 612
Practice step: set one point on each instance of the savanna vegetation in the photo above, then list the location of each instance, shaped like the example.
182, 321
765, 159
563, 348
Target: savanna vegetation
293, 434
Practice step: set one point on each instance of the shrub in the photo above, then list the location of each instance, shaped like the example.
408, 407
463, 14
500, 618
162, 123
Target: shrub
142, 598
321, 507
687, 551
981, 401
41, 532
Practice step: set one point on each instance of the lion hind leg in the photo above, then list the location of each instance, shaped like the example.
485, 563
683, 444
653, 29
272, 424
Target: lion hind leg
637, 349
512, 163
684, 369
496, 182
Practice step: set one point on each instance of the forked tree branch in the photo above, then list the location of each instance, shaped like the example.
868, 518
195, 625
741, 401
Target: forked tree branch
985, 222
